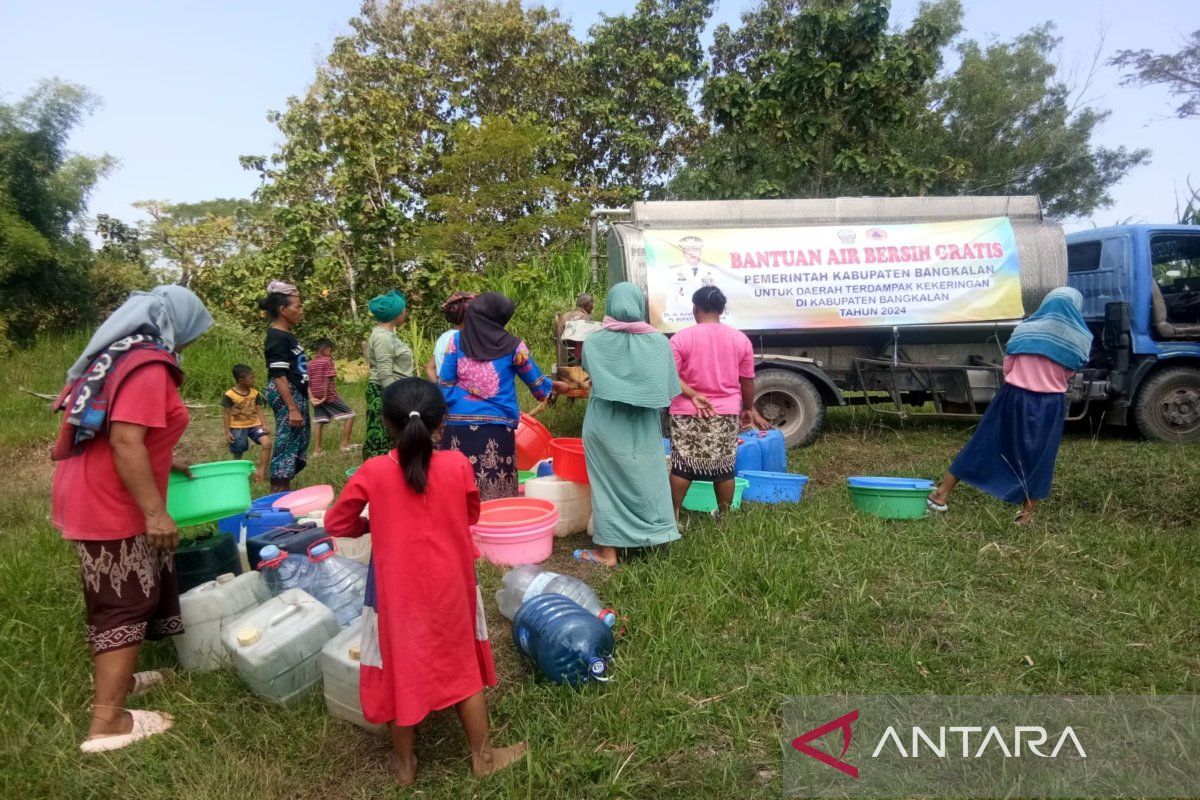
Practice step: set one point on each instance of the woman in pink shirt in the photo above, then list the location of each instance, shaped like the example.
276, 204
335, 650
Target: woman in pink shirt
1012, 454
716, 372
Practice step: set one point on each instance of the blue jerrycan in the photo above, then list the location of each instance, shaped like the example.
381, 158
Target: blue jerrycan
566, 642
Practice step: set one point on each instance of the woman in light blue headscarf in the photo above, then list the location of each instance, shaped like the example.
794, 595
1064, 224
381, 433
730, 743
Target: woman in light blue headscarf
633, 379
390, 359
1012, 454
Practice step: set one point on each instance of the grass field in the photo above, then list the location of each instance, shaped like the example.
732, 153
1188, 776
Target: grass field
1101, 595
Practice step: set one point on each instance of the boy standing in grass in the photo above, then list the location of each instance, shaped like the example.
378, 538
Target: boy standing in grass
327, 404
244, 422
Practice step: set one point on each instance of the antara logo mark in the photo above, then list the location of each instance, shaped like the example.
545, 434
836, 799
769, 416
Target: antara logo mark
843, 724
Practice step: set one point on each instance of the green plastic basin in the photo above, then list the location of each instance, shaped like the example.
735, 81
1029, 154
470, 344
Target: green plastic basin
896, 501
350, 472
702, 497
525, 474
217, 490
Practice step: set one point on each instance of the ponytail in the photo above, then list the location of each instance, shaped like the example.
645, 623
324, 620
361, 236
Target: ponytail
413, 409
415, 448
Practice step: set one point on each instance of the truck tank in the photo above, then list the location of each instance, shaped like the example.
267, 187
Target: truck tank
1041, 245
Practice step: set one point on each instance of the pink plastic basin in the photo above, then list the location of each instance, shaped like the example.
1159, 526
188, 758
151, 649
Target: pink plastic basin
515, 530
306, 501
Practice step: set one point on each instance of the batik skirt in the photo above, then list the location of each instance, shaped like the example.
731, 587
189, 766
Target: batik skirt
1012, 454
289, 453
492, 451
378, 442
130, 593
704, 448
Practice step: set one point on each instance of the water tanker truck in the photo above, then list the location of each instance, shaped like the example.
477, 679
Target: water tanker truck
905, 303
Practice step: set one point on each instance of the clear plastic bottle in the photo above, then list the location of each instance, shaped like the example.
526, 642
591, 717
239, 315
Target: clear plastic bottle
337, 582
282, 570
529, 580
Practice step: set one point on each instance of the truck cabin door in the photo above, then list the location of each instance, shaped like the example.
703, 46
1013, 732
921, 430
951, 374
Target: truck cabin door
1175, 288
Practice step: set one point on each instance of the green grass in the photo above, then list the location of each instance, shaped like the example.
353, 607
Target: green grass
1100, 595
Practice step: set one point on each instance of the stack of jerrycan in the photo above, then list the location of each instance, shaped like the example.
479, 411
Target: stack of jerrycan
339, 664
761, 451
276, 648
573, 501
566, 642
525, 582
207, 610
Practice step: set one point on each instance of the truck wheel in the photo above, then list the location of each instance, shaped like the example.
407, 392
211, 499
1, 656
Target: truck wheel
1167, 408
791, 403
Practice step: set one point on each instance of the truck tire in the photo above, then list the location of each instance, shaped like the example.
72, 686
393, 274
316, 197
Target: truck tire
790, 402
1167, 408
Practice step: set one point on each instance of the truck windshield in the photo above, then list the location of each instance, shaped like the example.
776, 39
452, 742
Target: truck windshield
1175, 260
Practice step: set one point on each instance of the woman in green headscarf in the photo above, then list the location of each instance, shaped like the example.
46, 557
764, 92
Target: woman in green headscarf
390, 360
633, 380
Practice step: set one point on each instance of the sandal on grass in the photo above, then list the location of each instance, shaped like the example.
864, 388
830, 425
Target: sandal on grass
146, 681
587, 556
145, 725
932, 505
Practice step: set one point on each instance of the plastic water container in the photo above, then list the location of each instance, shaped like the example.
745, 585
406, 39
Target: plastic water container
545, 467
573, 501
340, 669
528, 581
532, 441
749, 453
207, 609
276, 648
773, 487
337, 582
566, 642
282, 570
203, 558
774, 451
293, 537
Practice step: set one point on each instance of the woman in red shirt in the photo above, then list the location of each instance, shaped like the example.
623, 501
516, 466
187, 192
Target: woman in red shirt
122, 419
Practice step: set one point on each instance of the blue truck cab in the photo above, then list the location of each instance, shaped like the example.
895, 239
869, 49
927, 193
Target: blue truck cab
1141, 290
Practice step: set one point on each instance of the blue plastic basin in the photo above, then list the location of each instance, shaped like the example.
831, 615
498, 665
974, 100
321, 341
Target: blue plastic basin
773, 487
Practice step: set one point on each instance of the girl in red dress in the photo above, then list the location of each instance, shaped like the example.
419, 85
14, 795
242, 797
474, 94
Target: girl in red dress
424, 638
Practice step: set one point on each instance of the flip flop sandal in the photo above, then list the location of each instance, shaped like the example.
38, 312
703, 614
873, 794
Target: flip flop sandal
145, 725
588, 557
940, 508
144, 682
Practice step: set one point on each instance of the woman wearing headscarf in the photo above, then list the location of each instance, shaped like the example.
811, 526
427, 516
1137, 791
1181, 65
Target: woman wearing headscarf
122, 419
455, 308
1012, 453
287, 384
633, 379
478, 378
390, 359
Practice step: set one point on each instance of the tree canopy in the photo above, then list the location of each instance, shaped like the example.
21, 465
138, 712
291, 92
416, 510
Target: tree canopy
1178, 71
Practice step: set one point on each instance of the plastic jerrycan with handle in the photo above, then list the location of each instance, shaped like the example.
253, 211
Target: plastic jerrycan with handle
340, 661
207, 609
276, 648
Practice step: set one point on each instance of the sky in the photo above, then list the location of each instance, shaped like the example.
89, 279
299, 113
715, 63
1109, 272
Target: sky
186, 84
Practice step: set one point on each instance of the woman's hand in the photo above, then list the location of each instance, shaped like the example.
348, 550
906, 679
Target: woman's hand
704, 406
752, 419
295, 418
561, 387
161, 532
180, 464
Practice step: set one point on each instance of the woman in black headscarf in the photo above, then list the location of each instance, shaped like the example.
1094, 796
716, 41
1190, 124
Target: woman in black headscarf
478, 378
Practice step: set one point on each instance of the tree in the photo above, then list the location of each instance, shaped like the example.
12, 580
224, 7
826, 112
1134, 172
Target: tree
1178, 71
814, 99
1007, 118
44, 256
184, 240
820, 98
637, 117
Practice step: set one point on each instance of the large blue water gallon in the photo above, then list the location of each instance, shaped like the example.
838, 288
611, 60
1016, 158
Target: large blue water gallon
562, 639
749, 453
774, 451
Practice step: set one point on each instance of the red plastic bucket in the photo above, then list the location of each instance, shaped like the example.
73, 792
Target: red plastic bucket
533, 442
569, 463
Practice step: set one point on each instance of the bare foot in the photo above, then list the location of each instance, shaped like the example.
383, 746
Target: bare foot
405, 770
496, 758
1024, 518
